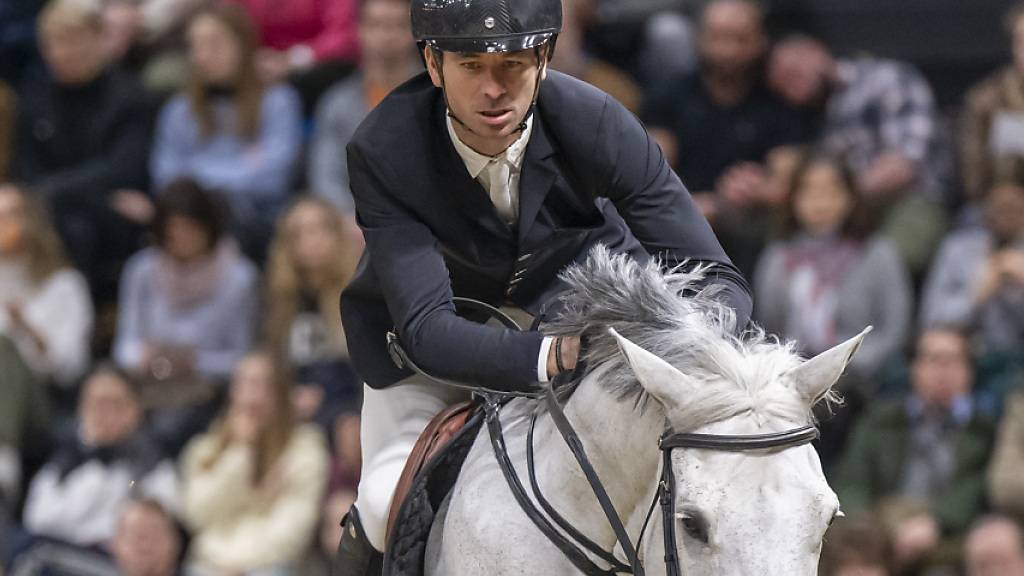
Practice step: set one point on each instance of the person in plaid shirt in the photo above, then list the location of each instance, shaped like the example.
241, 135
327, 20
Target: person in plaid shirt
880, 116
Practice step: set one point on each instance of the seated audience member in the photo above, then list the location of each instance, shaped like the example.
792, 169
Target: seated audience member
189, 303
920, 461
313, 257
46, 322
389, 57
977, 281
78, 494
856, 547
993, 121
254, 484
147, 542
994, 547
83, 137
46, 309
572, 58
828, 279
880, 116
311, 43
7, 114
1006, 471
717, 126
228, 131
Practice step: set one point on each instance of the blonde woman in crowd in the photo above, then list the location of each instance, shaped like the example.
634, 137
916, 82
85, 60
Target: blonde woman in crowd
312, 258
254, 483
46, 320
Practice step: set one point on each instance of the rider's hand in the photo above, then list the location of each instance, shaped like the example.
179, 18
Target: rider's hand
570, 349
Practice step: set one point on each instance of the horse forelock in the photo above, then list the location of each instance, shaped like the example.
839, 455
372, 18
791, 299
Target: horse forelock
674, 316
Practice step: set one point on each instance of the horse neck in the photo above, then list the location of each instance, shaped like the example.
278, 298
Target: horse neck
622, 444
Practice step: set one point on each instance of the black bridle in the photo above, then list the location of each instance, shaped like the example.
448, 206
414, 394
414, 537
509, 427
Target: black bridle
665, 494
572, 540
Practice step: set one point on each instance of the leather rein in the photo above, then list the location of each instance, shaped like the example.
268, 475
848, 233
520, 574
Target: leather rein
570, 540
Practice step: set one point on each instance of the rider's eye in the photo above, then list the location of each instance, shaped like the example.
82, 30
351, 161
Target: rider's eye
695, 527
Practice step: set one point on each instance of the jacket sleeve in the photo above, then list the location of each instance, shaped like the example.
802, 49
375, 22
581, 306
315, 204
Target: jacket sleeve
659, 210
413, 277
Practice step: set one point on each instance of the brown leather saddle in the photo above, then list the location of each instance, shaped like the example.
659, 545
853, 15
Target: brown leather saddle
445, 426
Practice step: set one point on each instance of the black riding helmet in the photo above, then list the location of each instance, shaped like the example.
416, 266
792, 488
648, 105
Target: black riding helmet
477, 26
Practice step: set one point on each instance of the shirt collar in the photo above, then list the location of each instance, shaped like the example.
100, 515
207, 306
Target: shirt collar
476, 162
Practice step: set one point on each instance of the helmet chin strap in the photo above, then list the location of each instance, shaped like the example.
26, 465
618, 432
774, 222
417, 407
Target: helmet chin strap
541, 67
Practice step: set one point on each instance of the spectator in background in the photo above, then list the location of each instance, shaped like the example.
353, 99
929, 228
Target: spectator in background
147, 542
188, 304
254, 483
46, 321
312, 43
46, 309
995, 547
82, 141
992, 131
921, 460
856, 547
78, 494
880, 116
229, 131
572, 58
828, 279
718, 125
389, 57
313, 257
977, 281
8, 103
1006, 490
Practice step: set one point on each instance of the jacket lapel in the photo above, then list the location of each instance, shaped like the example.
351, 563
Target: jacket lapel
539, 174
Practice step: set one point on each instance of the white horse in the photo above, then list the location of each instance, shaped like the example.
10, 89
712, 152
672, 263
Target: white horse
657, 361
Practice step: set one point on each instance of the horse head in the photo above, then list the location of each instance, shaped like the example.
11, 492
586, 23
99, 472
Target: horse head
736, 512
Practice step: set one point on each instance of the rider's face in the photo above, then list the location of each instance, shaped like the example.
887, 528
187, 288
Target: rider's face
489, 93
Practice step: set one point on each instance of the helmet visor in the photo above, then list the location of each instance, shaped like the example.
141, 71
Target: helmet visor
496, 44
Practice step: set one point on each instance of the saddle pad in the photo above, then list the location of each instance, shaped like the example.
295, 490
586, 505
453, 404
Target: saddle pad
441, 429
407, 541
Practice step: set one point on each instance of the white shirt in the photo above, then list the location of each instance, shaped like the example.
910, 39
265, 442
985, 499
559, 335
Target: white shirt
499, 175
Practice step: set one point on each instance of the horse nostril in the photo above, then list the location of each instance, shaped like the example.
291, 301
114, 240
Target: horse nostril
695, 528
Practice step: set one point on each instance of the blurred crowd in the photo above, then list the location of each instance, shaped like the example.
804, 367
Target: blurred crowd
176, 228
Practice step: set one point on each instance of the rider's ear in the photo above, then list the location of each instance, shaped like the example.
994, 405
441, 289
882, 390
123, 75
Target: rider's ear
816, 376
659, 378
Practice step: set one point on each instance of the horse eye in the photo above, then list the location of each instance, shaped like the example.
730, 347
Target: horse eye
695, 528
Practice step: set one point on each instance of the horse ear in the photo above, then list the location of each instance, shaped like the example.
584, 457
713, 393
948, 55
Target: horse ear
659, 378
816, 376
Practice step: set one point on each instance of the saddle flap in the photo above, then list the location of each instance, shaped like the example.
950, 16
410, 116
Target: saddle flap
445, 426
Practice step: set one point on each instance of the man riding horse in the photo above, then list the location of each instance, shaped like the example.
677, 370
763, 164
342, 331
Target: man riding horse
484, 178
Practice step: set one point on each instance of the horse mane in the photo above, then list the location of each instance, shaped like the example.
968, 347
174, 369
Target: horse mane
676, 315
